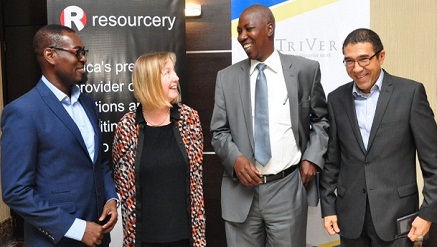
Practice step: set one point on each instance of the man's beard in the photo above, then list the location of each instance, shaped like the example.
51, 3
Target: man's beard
84, 78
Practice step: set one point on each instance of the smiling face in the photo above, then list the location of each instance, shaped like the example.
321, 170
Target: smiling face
170, 81
364, 76
67, 69
256, 33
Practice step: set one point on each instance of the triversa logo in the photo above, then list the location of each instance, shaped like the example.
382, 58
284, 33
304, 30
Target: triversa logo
73, 14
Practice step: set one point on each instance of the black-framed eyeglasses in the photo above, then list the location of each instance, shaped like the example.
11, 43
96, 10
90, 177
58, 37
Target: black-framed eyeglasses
79, 52
363, 62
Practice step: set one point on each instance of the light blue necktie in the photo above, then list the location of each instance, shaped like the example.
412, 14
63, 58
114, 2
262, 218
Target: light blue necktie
262, 136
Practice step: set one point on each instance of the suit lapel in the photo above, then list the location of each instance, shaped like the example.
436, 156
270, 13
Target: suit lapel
290, 78
244, 87
59, 111
383, 100
349, 104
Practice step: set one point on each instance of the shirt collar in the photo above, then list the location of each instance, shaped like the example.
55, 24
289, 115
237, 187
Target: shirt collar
356, 92
273, 62
61, 96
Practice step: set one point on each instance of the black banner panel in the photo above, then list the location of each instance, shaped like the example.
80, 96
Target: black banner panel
116, 33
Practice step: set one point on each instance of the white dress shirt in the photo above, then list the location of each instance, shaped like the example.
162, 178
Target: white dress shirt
285, 151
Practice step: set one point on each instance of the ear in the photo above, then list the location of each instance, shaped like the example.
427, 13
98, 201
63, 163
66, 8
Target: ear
381, 57
49, 55
270, 29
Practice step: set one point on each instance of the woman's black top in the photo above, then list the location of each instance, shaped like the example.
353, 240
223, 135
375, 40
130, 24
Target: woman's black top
164, 199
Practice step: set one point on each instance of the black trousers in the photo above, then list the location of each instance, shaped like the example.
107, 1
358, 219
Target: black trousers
369, 237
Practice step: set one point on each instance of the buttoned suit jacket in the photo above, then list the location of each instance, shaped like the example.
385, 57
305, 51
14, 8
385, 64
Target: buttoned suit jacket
385, 172
48, 176
232, 127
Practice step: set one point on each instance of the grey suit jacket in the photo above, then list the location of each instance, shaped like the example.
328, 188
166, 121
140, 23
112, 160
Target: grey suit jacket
232, 128
385, 173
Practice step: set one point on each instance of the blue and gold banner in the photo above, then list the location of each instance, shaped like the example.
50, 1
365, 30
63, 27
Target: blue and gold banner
310, 28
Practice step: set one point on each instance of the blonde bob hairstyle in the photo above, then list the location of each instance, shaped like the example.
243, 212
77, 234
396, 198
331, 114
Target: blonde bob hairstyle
146, 79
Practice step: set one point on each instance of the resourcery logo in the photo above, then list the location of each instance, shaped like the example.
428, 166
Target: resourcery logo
73, 15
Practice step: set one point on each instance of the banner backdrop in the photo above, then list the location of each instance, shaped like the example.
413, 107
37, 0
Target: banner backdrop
116, 34
314, 29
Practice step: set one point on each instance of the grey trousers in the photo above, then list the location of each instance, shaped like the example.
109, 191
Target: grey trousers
277, 217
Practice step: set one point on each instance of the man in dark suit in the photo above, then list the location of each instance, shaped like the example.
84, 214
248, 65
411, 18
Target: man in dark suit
378, 123
265, 203
53, 171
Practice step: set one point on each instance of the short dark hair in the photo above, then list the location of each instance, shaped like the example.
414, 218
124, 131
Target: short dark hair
265, 13
363, 35
49, 35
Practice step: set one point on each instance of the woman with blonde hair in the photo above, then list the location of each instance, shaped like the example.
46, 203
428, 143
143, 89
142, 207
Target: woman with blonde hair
157, 156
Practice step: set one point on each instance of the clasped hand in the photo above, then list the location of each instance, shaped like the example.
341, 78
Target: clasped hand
94, 232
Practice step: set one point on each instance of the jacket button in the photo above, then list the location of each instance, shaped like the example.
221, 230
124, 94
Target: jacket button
364, 191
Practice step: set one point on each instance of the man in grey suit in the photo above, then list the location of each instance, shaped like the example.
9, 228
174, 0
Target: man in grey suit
377, 124
265, 203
